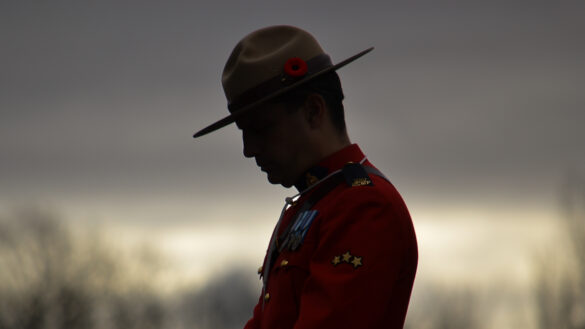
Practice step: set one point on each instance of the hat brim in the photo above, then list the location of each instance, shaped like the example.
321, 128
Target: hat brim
246, 109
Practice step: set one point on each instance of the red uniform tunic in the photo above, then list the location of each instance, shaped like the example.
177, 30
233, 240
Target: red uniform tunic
356, 264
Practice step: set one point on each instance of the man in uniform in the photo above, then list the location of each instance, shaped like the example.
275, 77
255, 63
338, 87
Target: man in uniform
343, 253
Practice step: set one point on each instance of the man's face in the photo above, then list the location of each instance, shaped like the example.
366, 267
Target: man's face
277, 139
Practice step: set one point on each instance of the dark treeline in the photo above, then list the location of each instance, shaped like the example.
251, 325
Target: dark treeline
51, 278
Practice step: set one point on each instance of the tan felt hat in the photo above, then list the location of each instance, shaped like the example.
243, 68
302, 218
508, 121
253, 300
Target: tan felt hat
267, 63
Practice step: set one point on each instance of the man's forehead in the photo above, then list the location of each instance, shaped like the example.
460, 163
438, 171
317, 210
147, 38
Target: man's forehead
264, 113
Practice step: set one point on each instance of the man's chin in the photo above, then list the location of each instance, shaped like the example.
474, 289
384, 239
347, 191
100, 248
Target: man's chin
277, 180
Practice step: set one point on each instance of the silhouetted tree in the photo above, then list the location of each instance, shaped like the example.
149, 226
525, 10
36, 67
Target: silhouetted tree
225, 302
560, 291
50, 279
442, 307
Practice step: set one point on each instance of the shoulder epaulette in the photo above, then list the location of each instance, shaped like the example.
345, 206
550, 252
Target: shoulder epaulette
355, 175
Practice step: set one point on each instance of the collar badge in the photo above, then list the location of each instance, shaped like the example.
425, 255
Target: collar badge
311, 179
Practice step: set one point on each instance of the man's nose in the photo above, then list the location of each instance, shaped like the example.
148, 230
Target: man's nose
250, 144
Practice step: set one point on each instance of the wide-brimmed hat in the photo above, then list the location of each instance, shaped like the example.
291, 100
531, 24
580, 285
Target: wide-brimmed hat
266, 64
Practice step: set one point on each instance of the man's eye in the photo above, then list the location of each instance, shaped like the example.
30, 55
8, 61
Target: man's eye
261, 128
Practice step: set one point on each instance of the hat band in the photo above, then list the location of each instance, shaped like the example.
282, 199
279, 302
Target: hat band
314, 65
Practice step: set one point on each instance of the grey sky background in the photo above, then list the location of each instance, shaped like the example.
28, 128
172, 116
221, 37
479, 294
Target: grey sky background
460, 103
474, 109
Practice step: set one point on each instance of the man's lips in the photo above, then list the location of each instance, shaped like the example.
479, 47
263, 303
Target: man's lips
263, 166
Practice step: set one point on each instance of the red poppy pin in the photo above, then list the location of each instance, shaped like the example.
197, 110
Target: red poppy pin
295, 67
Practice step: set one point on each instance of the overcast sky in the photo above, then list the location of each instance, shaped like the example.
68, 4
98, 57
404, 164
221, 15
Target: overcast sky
476, 98
469, 107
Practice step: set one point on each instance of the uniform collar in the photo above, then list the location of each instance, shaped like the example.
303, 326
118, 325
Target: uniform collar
335, 161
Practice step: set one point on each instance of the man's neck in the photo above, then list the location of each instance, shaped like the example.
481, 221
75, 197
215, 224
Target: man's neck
326, 147
332, 144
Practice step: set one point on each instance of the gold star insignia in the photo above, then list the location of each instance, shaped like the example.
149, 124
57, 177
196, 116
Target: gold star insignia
357, 261
346, 257
336, 260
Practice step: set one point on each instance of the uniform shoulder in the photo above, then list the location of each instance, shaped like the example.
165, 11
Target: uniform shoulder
379, 191
367, 182
376, 208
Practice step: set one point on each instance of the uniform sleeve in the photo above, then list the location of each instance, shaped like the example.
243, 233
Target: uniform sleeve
363, 268
253, 323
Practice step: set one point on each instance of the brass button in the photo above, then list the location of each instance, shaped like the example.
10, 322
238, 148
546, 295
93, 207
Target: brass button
266, 297
260, 270
284, 263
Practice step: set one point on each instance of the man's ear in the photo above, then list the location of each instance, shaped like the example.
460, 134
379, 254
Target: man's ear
315, 110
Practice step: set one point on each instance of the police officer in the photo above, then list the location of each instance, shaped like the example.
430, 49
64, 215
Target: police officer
343, 253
